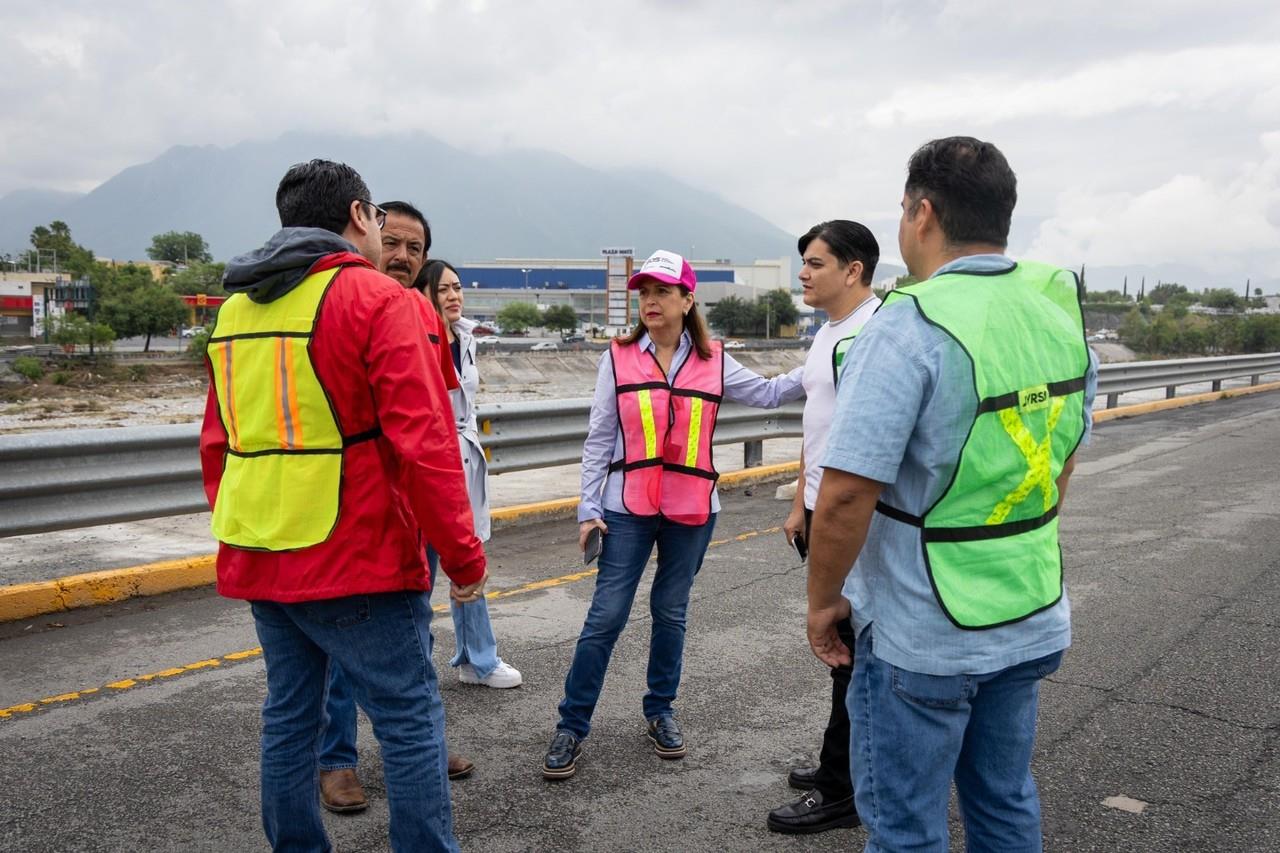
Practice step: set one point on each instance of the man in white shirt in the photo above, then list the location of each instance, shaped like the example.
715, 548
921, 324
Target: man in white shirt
838, 259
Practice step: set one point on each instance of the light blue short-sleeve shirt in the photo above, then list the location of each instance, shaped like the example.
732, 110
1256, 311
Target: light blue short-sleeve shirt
904, 407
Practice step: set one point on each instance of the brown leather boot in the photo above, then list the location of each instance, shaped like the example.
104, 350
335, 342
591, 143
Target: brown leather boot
340, 791
459, 767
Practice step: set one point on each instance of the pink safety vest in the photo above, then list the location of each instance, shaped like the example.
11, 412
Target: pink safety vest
666, 432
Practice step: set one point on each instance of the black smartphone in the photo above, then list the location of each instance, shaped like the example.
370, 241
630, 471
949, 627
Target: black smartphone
595, 543
802, 547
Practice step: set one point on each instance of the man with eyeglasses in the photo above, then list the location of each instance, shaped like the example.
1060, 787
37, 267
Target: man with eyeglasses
329, 453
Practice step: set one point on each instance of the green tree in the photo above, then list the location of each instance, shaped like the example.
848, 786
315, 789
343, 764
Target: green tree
775, 309
1133, 330
904, 280
198, 278
732, 316
70, 330
54, 249
179, 247
559, 318
1221, 297
516, 317
133, 303
1163, 292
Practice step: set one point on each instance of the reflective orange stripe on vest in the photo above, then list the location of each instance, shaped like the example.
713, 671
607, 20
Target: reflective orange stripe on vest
288, 422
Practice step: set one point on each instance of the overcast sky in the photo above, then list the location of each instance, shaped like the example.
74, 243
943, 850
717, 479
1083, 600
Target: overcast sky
1142, 133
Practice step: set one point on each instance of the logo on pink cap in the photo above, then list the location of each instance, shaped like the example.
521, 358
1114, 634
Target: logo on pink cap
666, 267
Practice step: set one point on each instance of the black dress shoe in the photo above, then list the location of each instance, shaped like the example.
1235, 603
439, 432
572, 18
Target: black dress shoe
803, 778
562, 756
811, 813
668, 741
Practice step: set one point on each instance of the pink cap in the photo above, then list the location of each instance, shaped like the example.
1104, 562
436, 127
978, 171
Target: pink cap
668, 268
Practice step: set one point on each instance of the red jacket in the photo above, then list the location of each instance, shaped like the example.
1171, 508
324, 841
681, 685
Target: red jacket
373, 356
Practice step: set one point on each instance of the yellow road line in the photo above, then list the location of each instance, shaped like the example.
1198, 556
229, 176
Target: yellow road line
236, 657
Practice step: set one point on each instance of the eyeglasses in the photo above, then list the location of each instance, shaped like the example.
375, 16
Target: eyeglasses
379, 215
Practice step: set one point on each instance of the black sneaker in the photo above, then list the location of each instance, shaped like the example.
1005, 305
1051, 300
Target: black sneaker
668, 742
562, 756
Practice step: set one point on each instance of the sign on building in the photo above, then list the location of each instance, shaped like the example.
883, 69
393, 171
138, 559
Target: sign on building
618, 302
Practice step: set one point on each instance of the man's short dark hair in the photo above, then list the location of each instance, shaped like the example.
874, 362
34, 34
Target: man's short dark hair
970, 185
318, 194
405, 209
849, 241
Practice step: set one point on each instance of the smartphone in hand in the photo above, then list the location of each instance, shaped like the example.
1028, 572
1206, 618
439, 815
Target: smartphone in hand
802, 547
595, 544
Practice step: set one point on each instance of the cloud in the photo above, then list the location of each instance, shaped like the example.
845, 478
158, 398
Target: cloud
1216, 78
1231, 226
801, 112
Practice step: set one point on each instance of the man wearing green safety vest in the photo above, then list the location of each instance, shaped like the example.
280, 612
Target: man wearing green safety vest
959, 410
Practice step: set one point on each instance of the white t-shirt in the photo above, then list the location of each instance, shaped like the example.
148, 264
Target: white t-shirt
820, 391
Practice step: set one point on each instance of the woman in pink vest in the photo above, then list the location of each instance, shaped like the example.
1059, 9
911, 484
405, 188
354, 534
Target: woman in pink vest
648, 478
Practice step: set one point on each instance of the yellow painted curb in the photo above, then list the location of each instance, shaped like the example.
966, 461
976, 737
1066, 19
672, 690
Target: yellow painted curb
1179, 402
24, 600
540, 511
760, 474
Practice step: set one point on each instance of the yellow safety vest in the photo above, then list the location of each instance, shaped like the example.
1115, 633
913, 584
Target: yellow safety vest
282, 474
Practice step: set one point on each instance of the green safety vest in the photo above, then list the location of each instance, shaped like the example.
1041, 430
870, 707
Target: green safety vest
282, 476
990, 541
838, 352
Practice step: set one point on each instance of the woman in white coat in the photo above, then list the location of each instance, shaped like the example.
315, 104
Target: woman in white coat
477, 657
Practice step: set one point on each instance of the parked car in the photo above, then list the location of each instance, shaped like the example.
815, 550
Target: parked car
484, 329
734, 345
192, 331
542, 346
487, 339
575, 338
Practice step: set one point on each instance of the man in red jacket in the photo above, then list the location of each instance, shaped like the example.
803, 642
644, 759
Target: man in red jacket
328, 453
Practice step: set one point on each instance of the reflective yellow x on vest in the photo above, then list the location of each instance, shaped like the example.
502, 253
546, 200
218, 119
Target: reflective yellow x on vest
282, 476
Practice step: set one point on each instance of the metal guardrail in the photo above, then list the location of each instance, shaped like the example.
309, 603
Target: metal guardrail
1117, 379
78, 478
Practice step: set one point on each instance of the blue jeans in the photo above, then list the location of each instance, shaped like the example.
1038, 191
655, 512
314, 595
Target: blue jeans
914, 733
383, 642
476, 646
627, 548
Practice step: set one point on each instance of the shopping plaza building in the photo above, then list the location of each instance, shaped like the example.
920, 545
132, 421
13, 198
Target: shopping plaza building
581, 283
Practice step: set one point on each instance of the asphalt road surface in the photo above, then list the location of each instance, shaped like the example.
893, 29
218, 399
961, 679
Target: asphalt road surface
1169, 696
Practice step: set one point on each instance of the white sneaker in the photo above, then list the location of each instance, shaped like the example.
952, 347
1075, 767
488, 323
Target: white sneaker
501, 678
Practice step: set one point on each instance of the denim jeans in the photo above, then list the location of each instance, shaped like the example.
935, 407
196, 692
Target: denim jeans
473, 633
627, 547
914, 733
383, 643
475, 643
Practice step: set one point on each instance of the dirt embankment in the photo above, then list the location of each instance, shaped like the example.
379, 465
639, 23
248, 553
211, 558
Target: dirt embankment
104, 394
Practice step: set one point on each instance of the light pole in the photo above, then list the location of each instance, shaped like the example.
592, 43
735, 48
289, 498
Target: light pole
526, 277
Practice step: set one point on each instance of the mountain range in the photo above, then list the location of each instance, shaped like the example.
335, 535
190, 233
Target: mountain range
516, 203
